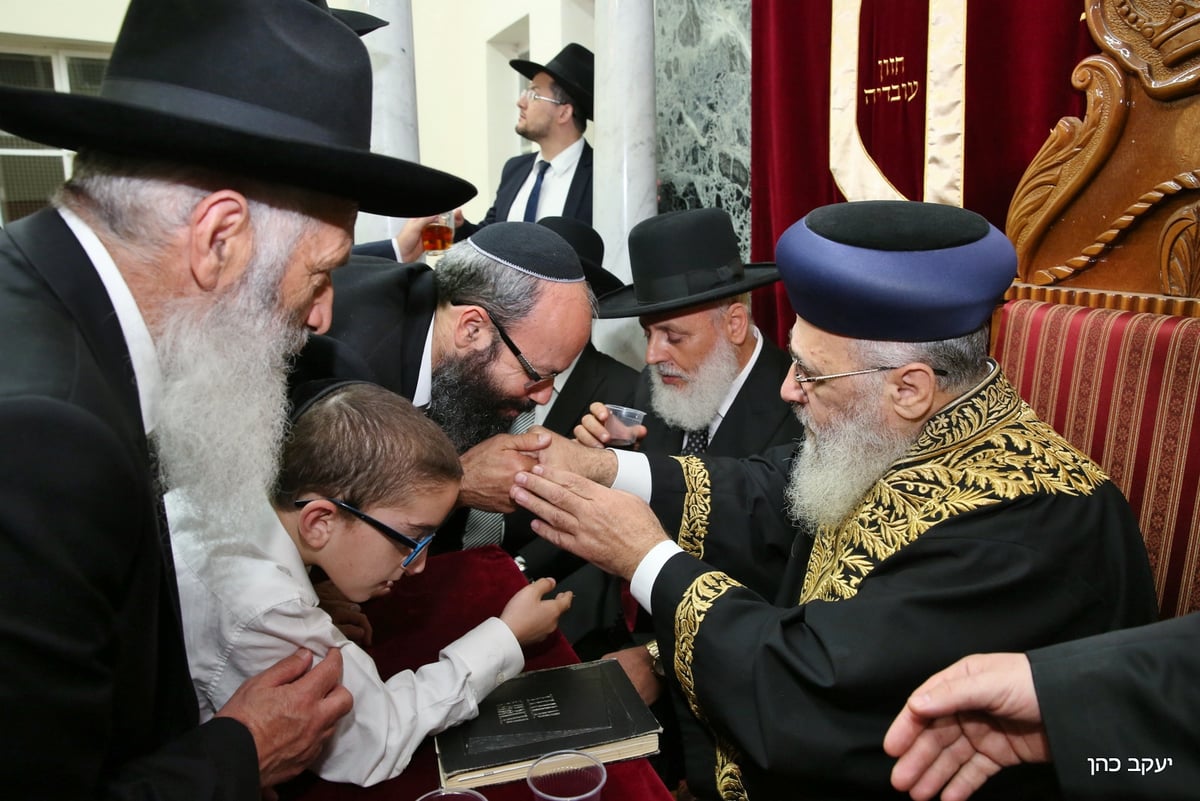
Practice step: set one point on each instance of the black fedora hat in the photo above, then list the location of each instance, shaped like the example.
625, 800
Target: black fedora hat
572, 69
276, 90
589, 246
681, 259
360, 22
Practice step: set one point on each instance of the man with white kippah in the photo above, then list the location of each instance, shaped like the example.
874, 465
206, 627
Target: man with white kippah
476, 343
934, 516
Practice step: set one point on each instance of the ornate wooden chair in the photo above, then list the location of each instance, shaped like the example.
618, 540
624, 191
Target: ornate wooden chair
1100, 333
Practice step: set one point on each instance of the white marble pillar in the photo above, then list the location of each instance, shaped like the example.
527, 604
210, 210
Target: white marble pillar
394, 118
624, 182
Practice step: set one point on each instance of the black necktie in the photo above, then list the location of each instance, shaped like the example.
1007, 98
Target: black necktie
695, 442
532, 204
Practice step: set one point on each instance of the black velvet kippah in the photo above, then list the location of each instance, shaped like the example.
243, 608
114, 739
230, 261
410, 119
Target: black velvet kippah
304, 395
897, 225
533, 249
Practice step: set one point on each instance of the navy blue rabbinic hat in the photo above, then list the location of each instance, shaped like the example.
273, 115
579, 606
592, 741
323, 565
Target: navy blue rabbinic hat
681, 259
895, 270
572, 69
530, 248
276, 90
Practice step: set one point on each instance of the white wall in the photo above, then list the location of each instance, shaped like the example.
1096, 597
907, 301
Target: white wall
92, 21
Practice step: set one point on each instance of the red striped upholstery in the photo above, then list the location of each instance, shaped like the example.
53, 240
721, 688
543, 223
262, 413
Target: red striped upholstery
1124, 388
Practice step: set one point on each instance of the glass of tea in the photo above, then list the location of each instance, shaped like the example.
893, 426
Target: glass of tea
438, 234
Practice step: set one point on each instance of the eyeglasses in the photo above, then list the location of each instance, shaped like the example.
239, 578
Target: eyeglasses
417, 546
537, 382
808, 379
531, 94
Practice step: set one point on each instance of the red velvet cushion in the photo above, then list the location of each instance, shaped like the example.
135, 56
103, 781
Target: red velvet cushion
1123, 387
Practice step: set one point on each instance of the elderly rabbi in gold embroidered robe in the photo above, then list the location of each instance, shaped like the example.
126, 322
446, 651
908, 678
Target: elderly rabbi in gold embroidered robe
934, 514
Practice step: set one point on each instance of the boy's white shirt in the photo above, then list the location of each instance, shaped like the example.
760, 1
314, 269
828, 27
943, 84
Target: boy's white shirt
248, 603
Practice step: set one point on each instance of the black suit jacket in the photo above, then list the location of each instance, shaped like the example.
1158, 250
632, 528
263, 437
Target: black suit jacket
94, 689
757, 419
579, 196
382, 311
1108, 703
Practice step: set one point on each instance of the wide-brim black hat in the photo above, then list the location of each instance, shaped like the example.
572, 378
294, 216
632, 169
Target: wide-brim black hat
572, 69
276, 90
589, 246
681, 259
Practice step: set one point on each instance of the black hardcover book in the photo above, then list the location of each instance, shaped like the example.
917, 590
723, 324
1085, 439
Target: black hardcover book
590, 707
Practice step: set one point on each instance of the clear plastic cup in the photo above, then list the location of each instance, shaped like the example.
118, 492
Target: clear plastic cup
567, 776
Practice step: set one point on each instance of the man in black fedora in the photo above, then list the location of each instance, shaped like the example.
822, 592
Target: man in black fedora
554, 110
554, 182
710, 386
710, 377
147, 321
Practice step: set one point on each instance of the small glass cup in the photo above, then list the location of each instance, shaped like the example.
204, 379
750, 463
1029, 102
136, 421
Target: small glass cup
438, 234
459, 794
620, 423
567, 776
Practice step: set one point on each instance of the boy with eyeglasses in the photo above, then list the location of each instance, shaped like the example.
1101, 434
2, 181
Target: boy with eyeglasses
365, 479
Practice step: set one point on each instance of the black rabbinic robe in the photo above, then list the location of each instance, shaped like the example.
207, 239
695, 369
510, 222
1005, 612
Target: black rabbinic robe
991, 534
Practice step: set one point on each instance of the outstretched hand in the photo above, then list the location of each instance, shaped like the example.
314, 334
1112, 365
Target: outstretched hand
611, 529
964, 724
489, 467
530, 615
291, 711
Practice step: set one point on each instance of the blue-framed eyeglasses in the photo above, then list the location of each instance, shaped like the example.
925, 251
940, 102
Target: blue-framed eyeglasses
417, 546
802, 379
530, 93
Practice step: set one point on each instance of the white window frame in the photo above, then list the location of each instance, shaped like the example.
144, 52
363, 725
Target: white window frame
58, 68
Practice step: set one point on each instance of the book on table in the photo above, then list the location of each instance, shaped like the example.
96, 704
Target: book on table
591, 707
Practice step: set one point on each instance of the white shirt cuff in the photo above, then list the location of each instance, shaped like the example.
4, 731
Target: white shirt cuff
642, 583
633, 474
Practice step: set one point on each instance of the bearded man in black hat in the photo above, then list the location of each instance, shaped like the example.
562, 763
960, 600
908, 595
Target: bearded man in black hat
709, 386
934, 516
148, 318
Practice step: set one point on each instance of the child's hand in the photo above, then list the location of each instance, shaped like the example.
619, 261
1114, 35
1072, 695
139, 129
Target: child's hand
531, 618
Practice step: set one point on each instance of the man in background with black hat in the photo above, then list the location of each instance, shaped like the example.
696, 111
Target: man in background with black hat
554, 110
935, 515
556, 181
148, 319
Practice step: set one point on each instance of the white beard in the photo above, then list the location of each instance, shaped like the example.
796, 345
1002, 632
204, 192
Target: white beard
694, 405
836, 467
223, 410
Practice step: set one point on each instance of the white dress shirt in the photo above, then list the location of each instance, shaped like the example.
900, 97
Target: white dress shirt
555, 185
633, 475
248, 602
146, 370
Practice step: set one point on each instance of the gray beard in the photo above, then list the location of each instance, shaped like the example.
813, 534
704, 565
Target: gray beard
223, 410
465, 402
834, 468
694, 405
